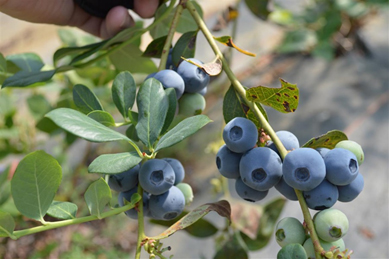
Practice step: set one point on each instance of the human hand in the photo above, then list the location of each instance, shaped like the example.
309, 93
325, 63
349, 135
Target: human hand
66, 12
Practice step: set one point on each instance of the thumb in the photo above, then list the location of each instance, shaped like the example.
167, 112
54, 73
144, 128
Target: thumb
116, 20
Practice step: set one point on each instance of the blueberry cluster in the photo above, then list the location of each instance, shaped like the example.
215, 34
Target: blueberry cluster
189, 82
323, 175
330, 225
164, 196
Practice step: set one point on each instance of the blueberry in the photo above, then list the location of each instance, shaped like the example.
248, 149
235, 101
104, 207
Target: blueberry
303, 169
227, 162
240, 135
330, 224
169, 61
168, 205
341, 166
204, 91
124, 181
156, 176
286, 190
353, 147
260, 168
289, 230
350, 191
186, 189
132, 213
288, 139
310, 250
150, 76
323, 151
247, 193
170, 79
194, 77
322, 197
178, 169
191, 104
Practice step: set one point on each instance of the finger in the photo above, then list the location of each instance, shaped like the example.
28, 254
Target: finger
146, 8
116, 20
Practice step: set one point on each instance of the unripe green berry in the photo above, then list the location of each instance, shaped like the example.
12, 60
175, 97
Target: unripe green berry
310, 249
331, 224
289, 230
353, 147
191, 104
186, 189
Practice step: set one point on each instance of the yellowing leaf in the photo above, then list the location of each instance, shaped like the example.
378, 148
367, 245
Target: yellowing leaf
227, 40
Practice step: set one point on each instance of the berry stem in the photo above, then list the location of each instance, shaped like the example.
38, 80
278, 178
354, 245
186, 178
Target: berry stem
265, 125
141, 226
168, 42
52, 225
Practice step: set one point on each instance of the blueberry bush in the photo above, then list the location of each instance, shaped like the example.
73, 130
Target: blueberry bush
160, 106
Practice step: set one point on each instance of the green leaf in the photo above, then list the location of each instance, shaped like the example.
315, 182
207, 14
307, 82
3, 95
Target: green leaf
124, 92
7, 224
153, 106
201, 228
5, 192
221, 207
29, 62
267, 222
63, 52
259, 8
89, 52
284, 99
172, 99
3, 64
62, 210
114, 163
102, 117
292, 251
324, 50
131, 133
97, 196
234, 247
185, 24
155, 48
130, 58
35, 183
38, 105
84, 127
328, 140
26, 78
182, 130
232, 105
185, 47
46, 125
85, 100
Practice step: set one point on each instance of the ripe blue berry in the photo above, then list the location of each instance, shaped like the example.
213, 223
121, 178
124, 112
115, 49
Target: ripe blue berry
240, 135
124, 181
178, 169
169, 61
247, 193
191, 104
330, 224
341, 166
156, 176
288, 139
132, 213
204, 91
227, 162
289, 230
322, 197
260, 168
353, 147
170, 79
195, 78
323, 151
167, 205
350, 191
286, 190
303, 169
